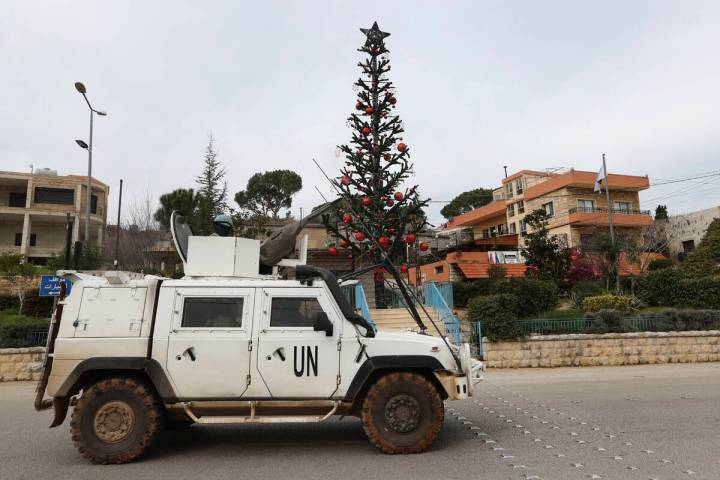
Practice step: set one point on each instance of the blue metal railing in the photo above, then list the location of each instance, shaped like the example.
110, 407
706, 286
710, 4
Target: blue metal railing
435, 298
362, 305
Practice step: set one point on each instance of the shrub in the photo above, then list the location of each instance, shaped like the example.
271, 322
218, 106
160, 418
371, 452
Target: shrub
585, 288
609, 321
658, 288
703, 292
660, 263
19, 335
533, 295
496, 272
496, 314
33, 306
463, 292
606, 302
681, 320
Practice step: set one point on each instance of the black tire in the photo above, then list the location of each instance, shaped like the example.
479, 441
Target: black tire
402, 413
116, 420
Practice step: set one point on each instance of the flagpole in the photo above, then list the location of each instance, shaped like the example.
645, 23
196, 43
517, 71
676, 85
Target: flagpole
610, 223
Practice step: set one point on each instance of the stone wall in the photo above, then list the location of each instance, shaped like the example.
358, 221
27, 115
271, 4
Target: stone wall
21, 363
605, 349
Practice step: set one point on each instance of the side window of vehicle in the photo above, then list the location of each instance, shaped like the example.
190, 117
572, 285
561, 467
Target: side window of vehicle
212, 312
293, 312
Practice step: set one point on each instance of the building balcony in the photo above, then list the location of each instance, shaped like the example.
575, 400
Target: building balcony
599, 216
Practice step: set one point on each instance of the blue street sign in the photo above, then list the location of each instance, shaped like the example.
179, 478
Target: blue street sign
50, 285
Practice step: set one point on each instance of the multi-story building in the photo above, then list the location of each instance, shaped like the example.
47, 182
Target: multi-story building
34, 209
684, 232
576, 212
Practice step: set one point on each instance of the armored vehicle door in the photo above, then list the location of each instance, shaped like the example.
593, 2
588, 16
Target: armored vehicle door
209, 345
294, 360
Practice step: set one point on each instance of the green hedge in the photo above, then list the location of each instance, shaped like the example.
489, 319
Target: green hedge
660, 263
19, 335
463, 292
583, 289
33, 306
670, 288
497, 315
533, 296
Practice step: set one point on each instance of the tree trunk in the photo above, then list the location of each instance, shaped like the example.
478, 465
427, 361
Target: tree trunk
380, 293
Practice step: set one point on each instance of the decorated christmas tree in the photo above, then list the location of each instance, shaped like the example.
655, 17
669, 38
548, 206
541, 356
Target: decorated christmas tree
378, 216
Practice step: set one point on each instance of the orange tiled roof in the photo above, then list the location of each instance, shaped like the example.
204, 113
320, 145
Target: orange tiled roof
492, 209
577, 178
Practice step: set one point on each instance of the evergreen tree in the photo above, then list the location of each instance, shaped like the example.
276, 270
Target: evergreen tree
661, 212
545, 256
212, 187
378, 215
467, 201
705, 260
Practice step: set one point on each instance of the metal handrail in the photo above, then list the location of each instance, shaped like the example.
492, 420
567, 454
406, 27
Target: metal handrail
435, 299
619, 211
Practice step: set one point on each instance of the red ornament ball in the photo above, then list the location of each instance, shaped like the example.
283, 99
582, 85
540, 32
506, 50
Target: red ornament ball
367, 201
404, 268
401, 147
410, 238
387, 157
347, 218
384, 241
359, 236
345, 180
398, 196
358, 106
332, 250
369, 110
366, 131
392, 100
390, 202
424, 246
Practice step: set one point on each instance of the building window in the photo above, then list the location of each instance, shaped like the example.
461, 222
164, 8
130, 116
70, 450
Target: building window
586, 241
586, 206
523, 226
17, 199
511, 210
93, 204
548, 207
213, 312
513, 228
294, 312
508, 190
521, 207
33, 239
18, 239
501, 229
486, 233
688, 246
55, 196
622, 207
438, 269
519, 186
493, 232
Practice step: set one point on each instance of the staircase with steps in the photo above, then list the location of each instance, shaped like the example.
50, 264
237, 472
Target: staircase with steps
389, 319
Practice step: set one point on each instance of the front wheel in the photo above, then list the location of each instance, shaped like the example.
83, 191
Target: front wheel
402, 413
115, 420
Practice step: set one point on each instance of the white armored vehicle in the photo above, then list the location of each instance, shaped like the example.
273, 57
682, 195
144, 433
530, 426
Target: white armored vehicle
227, 345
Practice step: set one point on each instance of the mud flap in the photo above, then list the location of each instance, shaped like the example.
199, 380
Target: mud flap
60, 406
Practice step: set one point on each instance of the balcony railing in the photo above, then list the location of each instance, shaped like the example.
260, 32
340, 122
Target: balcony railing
619, 211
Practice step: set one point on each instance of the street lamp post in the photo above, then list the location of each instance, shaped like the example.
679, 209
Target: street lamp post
88, 198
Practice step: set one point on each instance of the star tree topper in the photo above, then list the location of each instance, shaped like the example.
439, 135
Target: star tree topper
374, 36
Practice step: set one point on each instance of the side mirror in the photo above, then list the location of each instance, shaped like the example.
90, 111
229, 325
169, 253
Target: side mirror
323, 324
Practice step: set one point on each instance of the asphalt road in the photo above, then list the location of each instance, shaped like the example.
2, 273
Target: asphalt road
649, 422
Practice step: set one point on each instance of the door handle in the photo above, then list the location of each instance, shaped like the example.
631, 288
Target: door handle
190, 351
280, 352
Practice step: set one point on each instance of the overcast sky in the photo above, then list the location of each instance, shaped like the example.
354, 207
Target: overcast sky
480, 84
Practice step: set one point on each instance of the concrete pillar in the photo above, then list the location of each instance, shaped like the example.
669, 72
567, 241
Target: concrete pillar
100, 236
76, 229
25, 234
29, 193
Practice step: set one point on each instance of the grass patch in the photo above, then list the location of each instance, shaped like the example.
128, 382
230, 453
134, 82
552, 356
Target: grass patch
11, 317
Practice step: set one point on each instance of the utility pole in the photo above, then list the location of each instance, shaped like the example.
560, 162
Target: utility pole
616, 254
119, 229
505, 168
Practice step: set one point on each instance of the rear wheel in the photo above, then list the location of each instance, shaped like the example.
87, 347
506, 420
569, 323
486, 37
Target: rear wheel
402, 413
115, 420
